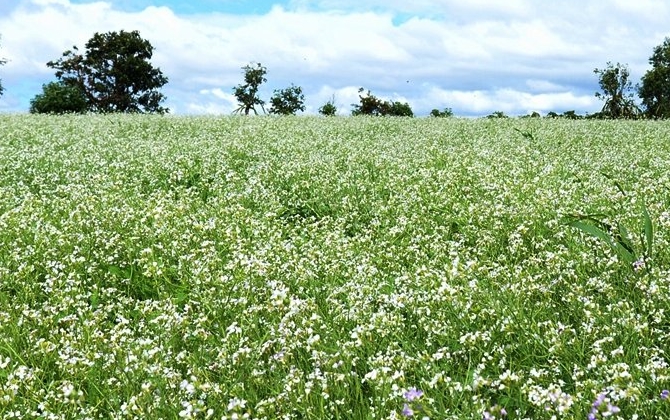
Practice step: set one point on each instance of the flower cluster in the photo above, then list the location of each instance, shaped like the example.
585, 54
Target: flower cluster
602, 407
231, 267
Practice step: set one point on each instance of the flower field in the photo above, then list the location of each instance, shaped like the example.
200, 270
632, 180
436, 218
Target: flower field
316, 268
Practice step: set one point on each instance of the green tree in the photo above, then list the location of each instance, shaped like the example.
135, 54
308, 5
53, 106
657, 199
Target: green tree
369, 105
400, 109
287, 101
372, 105
441, 114
114, 73
616, 91
571, 115
655, 88
329, 109
247, 93
59, 98
497, 114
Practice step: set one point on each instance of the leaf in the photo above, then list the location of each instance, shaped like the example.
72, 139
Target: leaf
525, 134
623, 238
624, 247
595, 218
593, 231
115, 270
615, 182
95, 298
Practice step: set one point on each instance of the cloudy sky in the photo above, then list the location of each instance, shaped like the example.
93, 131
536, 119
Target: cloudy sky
474, 56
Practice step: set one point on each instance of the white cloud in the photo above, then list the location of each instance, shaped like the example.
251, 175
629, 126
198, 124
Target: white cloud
475, 57
510, 101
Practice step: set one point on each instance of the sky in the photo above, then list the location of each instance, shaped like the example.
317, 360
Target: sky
473, 56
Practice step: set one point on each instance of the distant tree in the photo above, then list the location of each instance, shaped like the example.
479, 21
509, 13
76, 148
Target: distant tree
328, 109
371, 105
552, 114
59, 98
400, 109
287, 101
441, 114
114, 73
655, 88
497, 114
247, 93
616, 92
571, 115
535, 114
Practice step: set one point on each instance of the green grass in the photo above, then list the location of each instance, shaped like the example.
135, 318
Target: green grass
308, 268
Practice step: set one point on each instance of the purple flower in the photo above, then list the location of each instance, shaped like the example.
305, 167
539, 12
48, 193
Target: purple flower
599, 400
412, 394
665, 394
503, 412
488, 416
612, 408
407, 411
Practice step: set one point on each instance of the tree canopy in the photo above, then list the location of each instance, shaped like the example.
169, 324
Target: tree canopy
372, 105
329, 109
287, 101
447, 112
59, 98
617, 91
247, 93
655, 88
114, 73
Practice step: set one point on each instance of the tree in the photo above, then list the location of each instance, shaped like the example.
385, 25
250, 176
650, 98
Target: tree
400, 109
571, 115
616, 91
287, 101
328, 109
371, 105
497, 114
655, 88
442, 114
59, 98
247, 94
114, 73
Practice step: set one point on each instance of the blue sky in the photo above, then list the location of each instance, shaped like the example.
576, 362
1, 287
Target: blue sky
195, 7
476, 57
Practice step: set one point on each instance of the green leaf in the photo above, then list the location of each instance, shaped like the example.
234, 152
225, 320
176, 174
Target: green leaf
619, 246
95, 298
615, 182
115, 270
593, 231
623, 238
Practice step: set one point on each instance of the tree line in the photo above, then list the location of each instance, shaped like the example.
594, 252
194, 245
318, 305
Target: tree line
114, 74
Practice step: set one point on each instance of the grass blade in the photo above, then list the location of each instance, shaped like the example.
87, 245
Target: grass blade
593, 231
615, 182
623, 238
648, 231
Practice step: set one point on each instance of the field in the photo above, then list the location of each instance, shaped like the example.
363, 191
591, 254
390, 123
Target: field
314, 268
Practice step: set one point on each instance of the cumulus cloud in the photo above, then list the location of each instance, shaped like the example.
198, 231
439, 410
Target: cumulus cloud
475, 57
